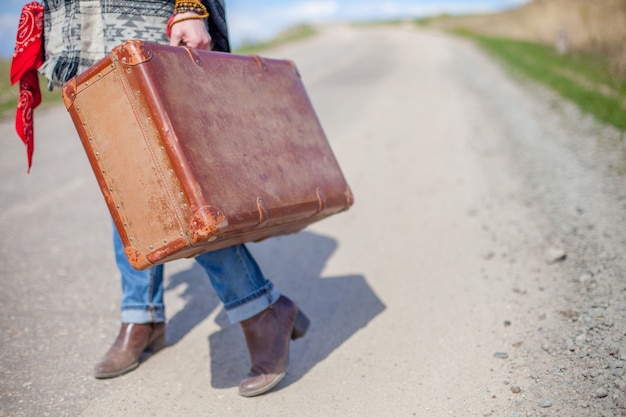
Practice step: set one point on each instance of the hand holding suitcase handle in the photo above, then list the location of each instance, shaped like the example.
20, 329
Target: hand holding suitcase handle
189, 28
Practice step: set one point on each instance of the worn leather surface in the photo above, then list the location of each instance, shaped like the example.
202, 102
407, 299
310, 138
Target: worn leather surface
198, 150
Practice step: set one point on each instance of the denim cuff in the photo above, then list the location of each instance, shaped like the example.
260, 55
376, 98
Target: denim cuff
253, 307
143, 315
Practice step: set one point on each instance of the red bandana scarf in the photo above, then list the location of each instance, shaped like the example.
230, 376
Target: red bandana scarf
27, 57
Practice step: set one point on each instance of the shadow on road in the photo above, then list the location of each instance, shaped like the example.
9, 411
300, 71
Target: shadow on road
200, 301
337, 306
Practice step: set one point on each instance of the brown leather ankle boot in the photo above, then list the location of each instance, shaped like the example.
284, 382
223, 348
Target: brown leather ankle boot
131, 342
267, 336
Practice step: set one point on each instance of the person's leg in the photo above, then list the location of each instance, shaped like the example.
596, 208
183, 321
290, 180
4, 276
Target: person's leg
143, 316
238, 282
268, 320
142, 291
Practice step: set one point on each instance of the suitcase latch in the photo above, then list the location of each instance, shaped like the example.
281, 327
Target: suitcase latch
133, 52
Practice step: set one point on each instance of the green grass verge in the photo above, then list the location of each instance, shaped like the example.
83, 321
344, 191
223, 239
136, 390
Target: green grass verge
9, 93
585, 79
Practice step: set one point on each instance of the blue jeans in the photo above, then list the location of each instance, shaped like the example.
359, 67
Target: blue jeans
233, 272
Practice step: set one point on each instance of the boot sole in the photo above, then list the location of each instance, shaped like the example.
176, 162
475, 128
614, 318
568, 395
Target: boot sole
106, 375
264, 389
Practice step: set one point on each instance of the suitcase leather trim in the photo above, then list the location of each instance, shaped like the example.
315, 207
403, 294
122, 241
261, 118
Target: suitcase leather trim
127, 166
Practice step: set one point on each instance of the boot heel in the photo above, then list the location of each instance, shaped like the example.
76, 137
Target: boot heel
157, 344
301, 326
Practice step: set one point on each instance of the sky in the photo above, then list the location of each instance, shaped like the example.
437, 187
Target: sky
255, 20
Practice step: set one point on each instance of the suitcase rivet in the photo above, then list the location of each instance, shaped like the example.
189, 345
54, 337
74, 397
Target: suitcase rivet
84, 123
164, 240
87, 84
149, 119
162, 149
125, 224
128, 70
77, 108
90, 137
181, 233
130, 238
195, 224
137, 253
99, 75
97, 153
171, 171
184, 205
117, 206
151, 247
111, 189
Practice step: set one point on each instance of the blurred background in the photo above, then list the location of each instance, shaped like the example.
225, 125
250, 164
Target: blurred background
437, 297
575, 47
254, 21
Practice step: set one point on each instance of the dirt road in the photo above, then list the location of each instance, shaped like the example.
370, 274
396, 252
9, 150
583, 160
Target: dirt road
480, 272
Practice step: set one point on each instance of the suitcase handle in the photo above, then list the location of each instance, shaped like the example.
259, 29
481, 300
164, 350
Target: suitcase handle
260, 62
193, 54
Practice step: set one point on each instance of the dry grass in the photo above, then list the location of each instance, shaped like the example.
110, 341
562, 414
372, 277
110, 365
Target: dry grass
591, 26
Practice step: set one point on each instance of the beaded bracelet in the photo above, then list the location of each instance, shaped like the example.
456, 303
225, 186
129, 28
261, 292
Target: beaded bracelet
182, 6
198, 16
172, 21
186, 6
196, 10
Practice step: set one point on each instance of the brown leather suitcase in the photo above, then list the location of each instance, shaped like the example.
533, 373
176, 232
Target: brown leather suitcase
197, 150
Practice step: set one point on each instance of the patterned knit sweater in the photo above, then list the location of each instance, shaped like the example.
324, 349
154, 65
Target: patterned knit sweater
78, 33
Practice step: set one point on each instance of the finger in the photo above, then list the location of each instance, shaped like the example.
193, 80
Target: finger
176, 39
198, 42
205, 43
